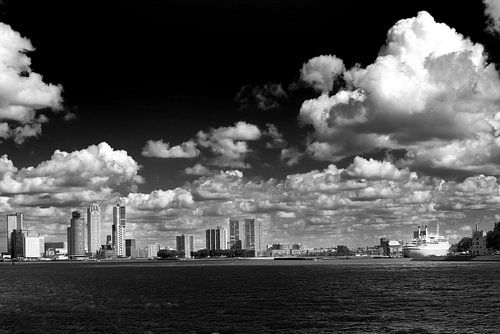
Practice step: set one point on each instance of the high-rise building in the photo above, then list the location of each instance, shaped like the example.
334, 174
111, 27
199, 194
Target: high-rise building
130, 249
76, 236
93, 228
16, 244
235, 233
119, 230
33, 247
216, 238
252, 235
14, 221
185, 243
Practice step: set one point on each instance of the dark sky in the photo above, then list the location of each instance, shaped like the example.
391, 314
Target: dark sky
139, 70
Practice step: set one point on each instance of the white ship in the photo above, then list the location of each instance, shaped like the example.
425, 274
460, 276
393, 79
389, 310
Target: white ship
425, 244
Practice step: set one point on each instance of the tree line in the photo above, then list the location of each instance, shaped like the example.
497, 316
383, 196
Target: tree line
492, 241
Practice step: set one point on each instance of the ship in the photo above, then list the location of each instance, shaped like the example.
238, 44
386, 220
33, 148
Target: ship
425, 244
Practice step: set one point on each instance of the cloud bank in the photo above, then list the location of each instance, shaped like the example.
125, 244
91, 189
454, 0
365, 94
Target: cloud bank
22, 91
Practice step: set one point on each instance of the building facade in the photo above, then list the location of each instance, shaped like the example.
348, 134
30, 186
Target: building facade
93, 228
478, 242
185, 243
130, 248
76, 236
119, 221
235, 234
13, 221
252, 235
33, 247
216, 238
153, 250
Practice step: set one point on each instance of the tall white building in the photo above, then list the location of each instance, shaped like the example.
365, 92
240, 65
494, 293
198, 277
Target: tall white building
216, 238
93, 228
119, 230
252, 234
33, 247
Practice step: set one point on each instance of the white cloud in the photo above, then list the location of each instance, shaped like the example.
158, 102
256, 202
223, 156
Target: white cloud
159, 199
492, 12
22, 92
159, 149
95, 168
198, 169
321, 72
374, 169
430, 88
229, 144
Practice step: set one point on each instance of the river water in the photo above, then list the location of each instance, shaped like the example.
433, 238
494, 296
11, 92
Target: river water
377, 296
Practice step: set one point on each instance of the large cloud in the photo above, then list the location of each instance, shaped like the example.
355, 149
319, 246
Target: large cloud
22, 92
95, 168
430, 87
492, 12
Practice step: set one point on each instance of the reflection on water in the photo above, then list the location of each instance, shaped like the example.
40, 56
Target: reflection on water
251, 297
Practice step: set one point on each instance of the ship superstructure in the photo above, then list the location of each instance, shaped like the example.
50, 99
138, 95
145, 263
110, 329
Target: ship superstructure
425, 244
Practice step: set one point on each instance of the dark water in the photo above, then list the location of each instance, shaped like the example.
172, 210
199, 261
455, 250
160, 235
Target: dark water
261, 297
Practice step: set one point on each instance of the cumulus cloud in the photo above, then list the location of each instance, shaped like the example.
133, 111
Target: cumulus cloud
159, 149
263, 97
229, 144
321, 72
95, 168
492, 12
159, 199
22, 91
198, 169
430, 87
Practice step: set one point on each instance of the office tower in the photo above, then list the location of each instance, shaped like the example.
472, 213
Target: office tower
253, 234
216, 238
235, 234
119, 229
33, 247
14, 221
130, 249
93, 228
76, 236
185, 243
17, 244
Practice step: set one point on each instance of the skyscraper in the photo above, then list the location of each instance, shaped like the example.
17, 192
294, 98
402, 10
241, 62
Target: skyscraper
93, 228
185, 243
76, 236
216, 238
235, 233
253, 234
119, 229
14, 221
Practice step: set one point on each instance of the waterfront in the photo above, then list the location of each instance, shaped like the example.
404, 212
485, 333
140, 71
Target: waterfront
251, 297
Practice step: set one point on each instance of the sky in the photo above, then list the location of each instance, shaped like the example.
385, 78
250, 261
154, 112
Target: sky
332, 122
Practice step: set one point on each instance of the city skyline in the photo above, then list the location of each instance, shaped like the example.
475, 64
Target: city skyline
389, 125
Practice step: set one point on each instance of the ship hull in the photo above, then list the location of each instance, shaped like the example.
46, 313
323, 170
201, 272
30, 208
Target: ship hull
416, 251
